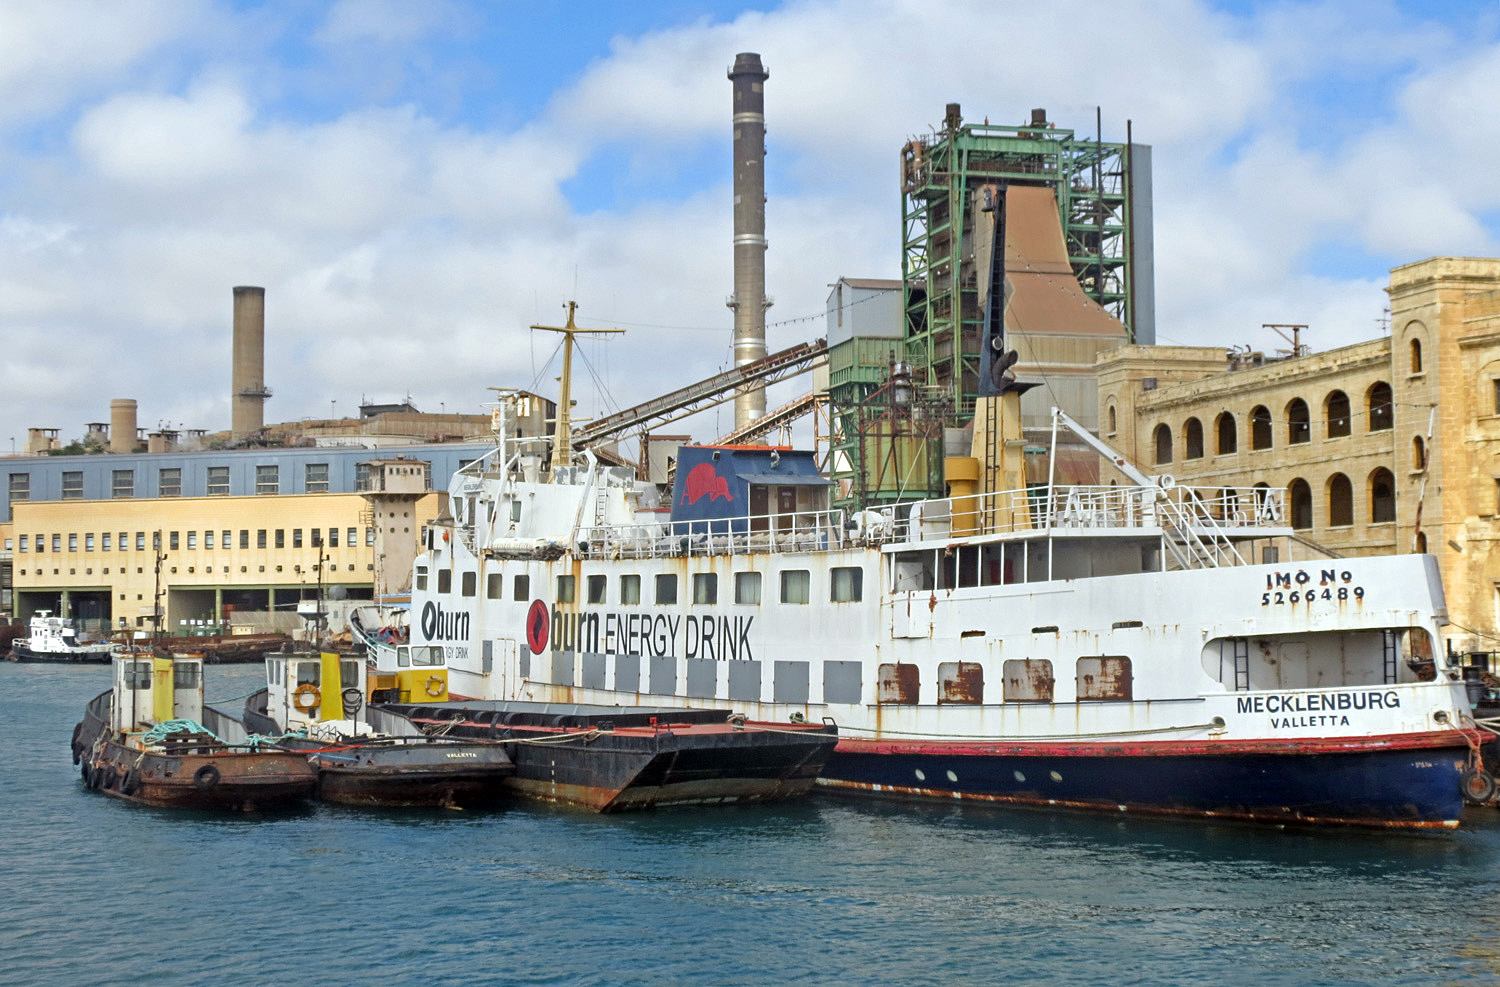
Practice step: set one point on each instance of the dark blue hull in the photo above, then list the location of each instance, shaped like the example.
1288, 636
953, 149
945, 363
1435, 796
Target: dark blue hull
1375, 784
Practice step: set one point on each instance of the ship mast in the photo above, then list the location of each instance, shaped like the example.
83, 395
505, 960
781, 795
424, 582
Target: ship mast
562, 439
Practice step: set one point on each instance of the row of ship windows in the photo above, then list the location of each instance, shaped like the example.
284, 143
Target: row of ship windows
215, 481
1337, 421
1098, 678
264, 538
845, 585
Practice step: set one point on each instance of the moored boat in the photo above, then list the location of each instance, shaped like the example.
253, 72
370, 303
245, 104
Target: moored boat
314, 703
50, 638
1130, 646
151, 740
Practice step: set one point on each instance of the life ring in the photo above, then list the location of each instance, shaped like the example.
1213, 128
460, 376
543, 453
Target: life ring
307, 697
130, 782
1477, 785
435, 685
205, 777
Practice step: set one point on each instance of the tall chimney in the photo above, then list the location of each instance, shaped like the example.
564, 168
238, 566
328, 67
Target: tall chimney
122, 425
248, 391
747, 77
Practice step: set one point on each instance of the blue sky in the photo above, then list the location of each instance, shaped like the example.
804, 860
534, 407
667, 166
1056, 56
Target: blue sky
415, 183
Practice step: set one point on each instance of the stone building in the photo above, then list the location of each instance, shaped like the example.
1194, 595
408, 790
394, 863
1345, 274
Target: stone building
1389, 445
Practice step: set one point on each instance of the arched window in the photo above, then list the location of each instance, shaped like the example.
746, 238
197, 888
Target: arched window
1163, 439
1299, 495
1113, 423
1228, 433
1260, 427
1421, 543
1382, 496
1340, 501
1336, 411
1192, 436
1416, 356
1263, 505
1379, 399
1298, 425
1418, 453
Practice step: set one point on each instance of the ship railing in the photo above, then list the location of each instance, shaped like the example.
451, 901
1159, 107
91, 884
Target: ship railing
795, 532
1196, 514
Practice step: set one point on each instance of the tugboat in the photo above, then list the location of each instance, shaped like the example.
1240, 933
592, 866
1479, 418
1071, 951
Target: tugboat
315, 704
151, 740
54, 639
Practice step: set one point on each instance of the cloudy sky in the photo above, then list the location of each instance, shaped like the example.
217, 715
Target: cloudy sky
416, 183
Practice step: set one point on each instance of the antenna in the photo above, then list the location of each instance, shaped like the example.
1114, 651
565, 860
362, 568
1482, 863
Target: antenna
1298, 349
562, 443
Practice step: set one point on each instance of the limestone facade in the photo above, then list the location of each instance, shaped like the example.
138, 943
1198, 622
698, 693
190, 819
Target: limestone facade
1389, 445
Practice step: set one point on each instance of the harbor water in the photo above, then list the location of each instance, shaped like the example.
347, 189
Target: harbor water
821, 891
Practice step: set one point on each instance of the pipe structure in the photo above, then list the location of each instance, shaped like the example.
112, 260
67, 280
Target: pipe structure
248, 391
747, 77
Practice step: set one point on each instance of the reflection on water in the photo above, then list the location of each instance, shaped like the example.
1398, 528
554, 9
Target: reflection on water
827, 890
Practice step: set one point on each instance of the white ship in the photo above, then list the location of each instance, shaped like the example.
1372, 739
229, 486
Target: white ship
53, 639
1115, 647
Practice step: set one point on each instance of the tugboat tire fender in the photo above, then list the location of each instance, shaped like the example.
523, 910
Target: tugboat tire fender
130, 782
87, 774
1478, 786
205, 777
111, 776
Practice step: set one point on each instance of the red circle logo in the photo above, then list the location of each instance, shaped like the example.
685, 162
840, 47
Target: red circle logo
538, 622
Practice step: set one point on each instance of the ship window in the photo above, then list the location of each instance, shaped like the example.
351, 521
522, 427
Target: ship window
309, 673
705, 587
1105, 678
523, 588
630, 590
666, 588
421, 577
960, 682
468, 584
445, 581
565, 589
596, 586
898, 683
185, 675
1028, 680
217, 484
349, 674
138, 675
515, 512
427, 656
795, 586
913, 571
847, 584
747, 588
494, 586
403, 657
169, 482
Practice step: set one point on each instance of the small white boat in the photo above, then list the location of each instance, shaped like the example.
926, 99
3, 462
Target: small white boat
54, 639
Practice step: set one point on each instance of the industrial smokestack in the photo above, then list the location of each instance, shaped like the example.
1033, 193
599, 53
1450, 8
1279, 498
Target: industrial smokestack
248, 391
747, 77
122, 425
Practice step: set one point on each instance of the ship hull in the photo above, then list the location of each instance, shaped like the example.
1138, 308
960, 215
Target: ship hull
1401, 782
80, 656
622, 760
